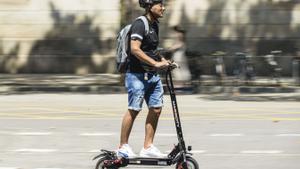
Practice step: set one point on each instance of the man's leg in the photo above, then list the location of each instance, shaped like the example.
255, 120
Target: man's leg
124, 149
135, 88
127, 124
151, 125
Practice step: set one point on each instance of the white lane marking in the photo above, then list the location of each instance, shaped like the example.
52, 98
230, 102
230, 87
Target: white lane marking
261, 152
94, 151
47, 168
9, 168
33, 133
250, 154
97, 134
166, 135
288, 135
29, 150
227, 135
198, 151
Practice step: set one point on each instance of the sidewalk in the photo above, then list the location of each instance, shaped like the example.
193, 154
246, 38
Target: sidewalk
55, 83
261, 90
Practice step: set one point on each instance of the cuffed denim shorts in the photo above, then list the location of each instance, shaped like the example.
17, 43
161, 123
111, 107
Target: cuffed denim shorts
140, 89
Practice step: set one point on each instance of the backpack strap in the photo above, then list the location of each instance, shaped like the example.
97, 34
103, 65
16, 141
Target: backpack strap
146, 23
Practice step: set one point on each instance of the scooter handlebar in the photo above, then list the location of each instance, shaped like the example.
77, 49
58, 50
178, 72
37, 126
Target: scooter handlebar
173, 65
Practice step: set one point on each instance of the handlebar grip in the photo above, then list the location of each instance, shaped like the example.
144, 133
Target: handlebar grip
174, 65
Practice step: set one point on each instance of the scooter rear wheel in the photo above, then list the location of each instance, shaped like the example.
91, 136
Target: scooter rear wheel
100, 163
191, 164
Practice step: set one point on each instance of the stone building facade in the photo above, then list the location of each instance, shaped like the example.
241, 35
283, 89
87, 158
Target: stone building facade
78, 36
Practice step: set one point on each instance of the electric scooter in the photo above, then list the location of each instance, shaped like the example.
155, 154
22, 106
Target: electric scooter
180, 156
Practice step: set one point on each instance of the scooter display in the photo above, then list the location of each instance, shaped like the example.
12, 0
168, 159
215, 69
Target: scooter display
180, 156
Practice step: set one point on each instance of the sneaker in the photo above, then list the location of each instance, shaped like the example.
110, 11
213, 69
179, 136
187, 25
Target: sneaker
126, 151
153, 152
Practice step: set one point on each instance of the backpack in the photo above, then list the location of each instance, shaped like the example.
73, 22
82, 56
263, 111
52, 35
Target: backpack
123, 46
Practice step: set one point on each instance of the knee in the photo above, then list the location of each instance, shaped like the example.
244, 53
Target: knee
157, 111
132, 113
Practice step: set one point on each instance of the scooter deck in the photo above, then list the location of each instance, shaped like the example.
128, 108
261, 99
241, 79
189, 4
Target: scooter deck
150, 161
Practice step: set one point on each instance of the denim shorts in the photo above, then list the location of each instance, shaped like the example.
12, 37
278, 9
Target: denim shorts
140, 89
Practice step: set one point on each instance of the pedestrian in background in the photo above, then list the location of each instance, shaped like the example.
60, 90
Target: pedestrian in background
178, 49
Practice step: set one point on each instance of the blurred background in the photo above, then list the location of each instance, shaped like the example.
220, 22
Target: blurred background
249, 42
62, 100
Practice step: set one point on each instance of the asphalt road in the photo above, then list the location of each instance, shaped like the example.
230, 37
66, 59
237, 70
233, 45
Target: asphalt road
65, 131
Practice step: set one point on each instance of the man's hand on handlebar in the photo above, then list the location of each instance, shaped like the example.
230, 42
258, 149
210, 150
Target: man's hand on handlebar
174, 65
164, 64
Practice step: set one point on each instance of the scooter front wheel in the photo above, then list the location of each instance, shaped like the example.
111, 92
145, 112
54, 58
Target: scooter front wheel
191, 164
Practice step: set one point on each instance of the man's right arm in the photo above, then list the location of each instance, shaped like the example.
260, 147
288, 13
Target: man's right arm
137, 51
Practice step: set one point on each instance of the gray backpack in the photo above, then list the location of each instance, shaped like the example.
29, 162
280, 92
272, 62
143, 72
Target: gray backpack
123, 41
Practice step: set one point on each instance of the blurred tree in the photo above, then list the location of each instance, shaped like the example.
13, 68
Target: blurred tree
127, 9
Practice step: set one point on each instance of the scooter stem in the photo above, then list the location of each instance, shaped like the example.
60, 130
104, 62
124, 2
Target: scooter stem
170, 85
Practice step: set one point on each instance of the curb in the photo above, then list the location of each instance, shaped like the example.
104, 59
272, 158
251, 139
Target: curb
245, 89
62, 89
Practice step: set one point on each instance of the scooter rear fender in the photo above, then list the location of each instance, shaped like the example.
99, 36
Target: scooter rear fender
104, 153
99, 156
